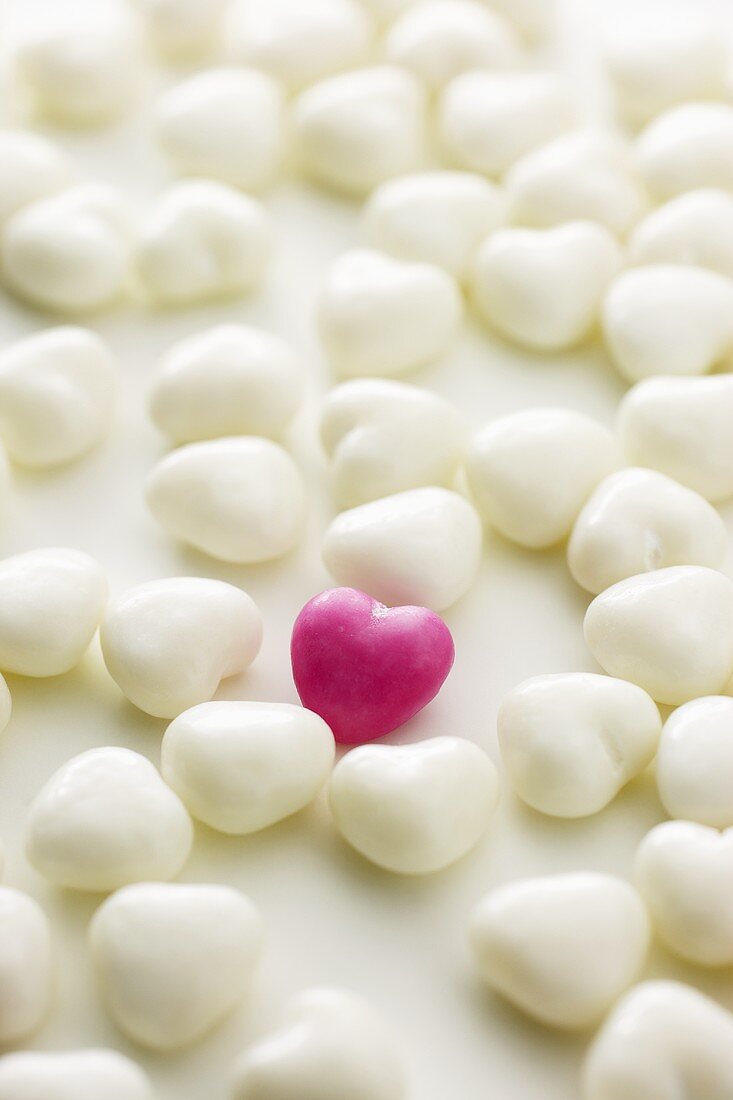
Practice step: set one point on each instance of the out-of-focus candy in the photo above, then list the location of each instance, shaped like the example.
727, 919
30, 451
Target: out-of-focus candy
26, 966
77, 1074
686, 148
31, 167
695, 762
694, 228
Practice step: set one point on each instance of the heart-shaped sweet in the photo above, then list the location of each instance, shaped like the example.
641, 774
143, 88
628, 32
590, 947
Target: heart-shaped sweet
365, 668
694, 228
72, 1075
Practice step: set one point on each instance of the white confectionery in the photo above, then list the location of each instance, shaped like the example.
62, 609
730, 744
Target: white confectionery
530, 473
571, 741
172, 960
694, 228
637, 520
240, 499
695, 762
686, 148
51, 603
182, 30
106, 819
358, 129
381, 316
543, 288
414, 809
72, 1075
26, 966
331, 1045
562, 947
420, 547
669, 631
31, 167
168, 643
384, 437
534, 18
241, 766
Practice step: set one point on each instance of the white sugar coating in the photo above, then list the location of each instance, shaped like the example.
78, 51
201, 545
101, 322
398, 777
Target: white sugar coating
203, 240
31, 167
106, 819
226, 123
694, 228
51, 602
660, 1038
434, 217
543, 288
69, 252
27, 966
241, 766
181, 29
695, 762
81, 75
668, 319
562, 948
684, 872
571, 741
637, 520
239, 499
681, 426
657, 63
530, 473
168, 643
57, 390
420, 547
440, 39
231, 379
487, 121
414, 809
583, 175
330, 1044
356, 130
669, 631
297, 43
172, 960
686, 148
72, 1075
381, 316
384, 437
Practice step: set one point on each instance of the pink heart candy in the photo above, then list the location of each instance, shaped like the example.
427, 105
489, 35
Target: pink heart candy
366, 668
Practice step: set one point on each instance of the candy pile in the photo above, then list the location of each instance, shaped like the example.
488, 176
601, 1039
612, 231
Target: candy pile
482, 188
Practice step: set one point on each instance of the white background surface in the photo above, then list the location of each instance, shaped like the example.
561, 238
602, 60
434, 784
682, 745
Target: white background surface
331, 917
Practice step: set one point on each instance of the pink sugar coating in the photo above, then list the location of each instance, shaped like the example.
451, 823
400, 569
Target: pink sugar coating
366, 668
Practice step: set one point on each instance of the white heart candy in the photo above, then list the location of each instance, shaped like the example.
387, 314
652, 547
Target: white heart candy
695, 762
562, 947
31, 167
663, 1041
442, 38
172, 960
72, 1075
203, 240
226, 124
530, 473
414, 809
182, 29
377, 315
695, 228
419, 547
681, 426
56, 393
297, 43
670, 632
686, 148
356, 130
242, 766
543, 288
331, 1045
571, 741
637, 520
68, 252
385, 437
668, 319
434, 217
240, 499
168, 643
26, 966
227, 380
583, 175
51, 602
105, 819
487, 121
684, 872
